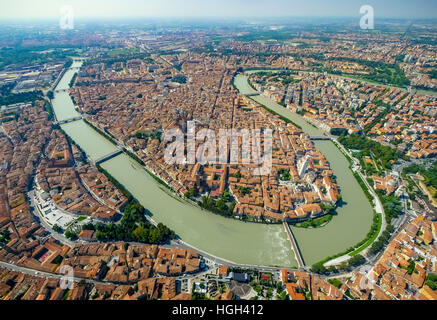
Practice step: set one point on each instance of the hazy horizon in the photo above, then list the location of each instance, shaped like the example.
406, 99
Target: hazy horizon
192, 9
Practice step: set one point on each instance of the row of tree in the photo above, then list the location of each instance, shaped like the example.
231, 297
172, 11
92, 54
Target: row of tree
429, 175
386, 155
12, 98
133, 227
222, 206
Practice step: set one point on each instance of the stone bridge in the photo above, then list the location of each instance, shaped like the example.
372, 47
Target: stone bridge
320, 138
70, 120
294, 246
108, 156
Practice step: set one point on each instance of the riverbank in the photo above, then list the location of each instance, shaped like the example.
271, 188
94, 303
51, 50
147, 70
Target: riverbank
230, 239
415, 90
354, 218
314, 223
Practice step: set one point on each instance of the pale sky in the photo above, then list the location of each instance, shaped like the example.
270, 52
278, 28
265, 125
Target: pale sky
216, 8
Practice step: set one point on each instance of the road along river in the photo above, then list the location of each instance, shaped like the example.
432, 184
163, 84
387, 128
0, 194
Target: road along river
230, 239
354, 217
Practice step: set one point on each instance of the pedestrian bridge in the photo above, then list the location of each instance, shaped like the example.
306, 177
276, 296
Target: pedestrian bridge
60, 90
320, 138
70, 120
108, 156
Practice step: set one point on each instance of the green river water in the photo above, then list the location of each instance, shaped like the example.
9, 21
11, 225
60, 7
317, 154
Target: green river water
230, 239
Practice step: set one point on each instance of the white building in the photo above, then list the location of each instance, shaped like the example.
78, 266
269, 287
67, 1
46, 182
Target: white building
302, 165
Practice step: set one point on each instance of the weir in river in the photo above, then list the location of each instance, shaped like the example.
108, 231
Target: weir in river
227, 238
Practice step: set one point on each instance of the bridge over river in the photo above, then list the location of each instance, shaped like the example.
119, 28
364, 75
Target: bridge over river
108, 156
353, 217
314, 138
230, 239
70, 120
294, 245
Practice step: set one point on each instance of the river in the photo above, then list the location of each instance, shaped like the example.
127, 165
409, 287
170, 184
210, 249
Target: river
354, 217
229, 239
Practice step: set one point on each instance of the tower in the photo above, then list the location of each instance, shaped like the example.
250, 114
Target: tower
302, 165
